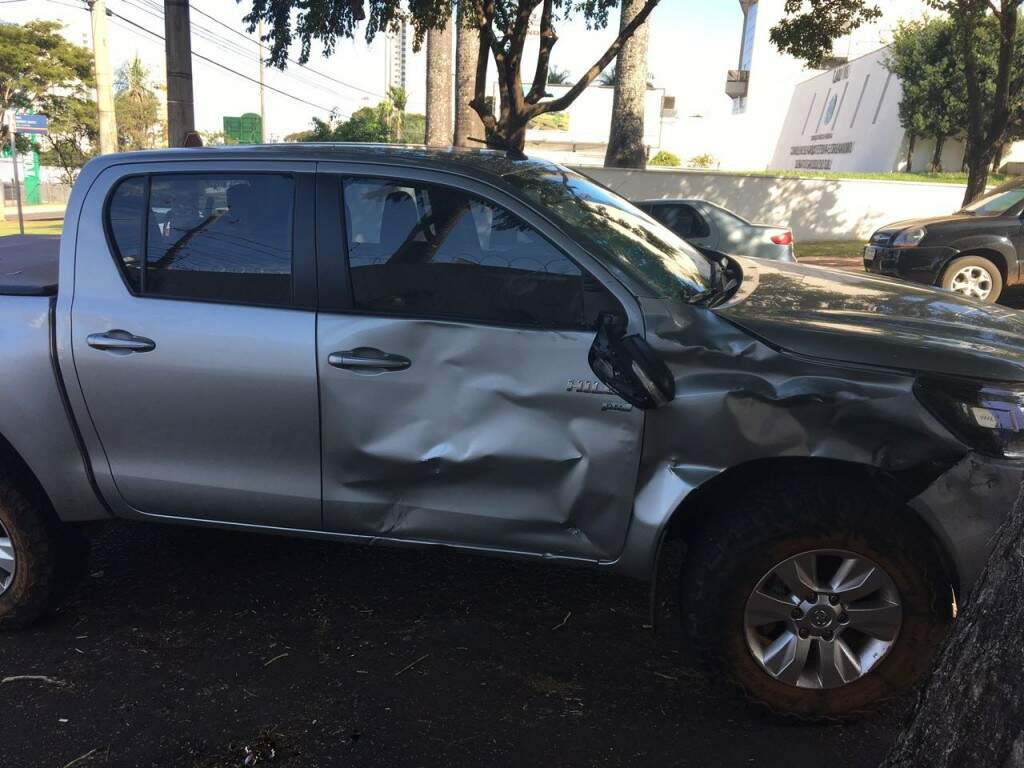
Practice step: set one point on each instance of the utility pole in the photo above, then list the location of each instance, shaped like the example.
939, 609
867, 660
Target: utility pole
104, 77
181, 119
263, 111
14, 160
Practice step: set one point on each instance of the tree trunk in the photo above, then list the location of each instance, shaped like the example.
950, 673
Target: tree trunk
468, 125
911, 143
978, 163
626, 137
971, 714
940, 142
998, 159
439, 86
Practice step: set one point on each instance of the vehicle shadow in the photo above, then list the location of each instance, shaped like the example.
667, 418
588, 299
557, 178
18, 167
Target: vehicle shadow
185, 646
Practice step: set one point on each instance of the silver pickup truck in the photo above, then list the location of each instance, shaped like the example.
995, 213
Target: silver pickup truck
465, 349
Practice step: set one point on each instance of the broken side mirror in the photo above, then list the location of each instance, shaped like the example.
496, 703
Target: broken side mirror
629, 366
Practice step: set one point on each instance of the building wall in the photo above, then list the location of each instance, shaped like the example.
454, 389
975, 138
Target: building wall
846, 119
816, 209
590, 118
748, 137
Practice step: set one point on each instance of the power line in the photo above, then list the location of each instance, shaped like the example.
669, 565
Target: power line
289, 58
210, 36
328, 110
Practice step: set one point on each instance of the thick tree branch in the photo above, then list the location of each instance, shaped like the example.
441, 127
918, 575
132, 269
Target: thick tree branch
591, 74
548, 38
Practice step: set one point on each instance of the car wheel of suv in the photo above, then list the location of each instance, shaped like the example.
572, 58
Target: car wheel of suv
974, 277
816, 601
36, 553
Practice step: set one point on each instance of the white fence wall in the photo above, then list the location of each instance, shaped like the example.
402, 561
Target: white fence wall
816, 209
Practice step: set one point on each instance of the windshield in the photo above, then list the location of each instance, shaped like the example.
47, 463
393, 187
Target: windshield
638, 245
999, 201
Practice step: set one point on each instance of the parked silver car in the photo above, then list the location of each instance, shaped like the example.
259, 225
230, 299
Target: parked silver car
712, 227
470, 350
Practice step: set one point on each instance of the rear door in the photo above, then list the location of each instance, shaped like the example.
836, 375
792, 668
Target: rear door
193, 334
457, 402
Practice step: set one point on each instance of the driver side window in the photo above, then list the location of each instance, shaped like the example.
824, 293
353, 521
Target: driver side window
425, 250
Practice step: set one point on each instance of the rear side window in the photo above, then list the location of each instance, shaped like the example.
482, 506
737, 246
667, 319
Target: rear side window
682, 219
214, 237
425, 250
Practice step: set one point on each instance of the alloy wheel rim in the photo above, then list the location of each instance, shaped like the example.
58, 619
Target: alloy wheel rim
8, 564
822, 619
973, 281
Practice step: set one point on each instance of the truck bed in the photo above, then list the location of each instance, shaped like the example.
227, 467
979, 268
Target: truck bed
28, 265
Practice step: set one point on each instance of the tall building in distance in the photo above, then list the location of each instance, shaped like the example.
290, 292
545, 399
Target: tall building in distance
396, 59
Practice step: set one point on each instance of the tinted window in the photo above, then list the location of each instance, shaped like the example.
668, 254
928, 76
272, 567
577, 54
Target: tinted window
214, 237
684, 220
127, 217
432, 251
616, 230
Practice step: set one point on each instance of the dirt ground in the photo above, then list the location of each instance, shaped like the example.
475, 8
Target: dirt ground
190, 647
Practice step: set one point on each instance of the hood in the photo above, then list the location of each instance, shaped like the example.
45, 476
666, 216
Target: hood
861, 319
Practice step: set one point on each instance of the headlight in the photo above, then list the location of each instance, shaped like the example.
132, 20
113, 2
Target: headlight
909, 237
986, 416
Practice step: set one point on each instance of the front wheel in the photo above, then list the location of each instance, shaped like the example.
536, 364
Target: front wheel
974, 277
817, 602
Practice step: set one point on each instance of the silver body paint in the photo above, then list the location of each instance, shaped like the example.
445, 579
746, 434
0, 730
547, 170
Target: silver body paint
494, 438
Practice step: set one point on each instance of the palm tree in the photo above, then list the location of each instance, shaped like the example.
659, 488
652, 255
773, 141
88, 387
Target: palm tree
558, 76
468, 125
137, 107
626, 137
398, 99
439, 86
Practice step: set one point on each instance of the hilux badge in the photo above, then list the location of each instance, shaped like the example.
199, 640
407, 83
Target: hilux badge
587, 387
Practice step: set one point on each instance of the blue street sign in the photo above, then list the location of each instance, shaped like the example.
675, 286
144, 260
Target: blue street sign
31, 124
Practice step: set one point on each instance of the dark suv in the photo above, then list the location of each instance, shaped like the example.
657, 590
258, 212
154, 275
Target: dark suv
976, 252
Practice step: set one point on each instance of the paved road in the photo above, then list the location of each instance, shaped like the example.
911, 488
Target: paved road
186, 646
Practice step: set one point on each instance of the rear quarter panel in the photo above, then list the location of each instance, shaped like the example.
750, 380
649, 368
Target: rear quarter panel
33, 416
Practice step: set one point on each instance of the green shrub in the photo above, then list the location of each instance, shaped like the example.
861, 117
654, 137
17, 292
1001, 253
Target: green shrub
666, 159
702, 161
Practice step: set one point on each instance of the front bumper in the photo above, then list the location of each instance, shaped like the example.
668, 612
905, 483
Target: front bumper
923, 264
965, 506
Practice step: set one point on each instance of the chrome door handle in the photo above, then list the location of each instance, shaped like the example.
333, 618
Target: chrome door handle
369, 360
120, 341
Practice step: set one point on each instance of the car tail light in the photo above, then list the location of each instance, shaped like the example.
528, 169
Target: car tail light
786, 238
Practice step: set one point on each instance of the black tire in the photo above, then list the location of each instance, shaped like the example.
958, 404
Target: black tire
776, 521
991, 269
47, 556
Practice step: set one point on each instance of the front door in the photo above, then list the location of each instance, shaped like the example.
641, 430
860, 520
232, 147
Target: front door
457, 402
193, 332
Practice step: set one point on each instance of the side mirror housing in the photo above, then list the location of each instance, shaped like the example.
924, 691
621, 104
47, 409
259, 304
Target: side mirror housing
629, 366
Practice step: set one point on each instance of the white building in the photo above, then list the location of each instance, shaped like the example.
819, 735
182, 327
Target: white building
762, 85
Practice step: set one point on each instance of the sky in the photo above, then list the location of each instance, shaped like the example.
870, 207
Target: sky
692, 44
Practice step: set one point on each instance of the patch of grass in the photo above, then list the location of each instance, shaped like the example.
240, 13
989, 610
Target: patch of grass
830, 249
48, 227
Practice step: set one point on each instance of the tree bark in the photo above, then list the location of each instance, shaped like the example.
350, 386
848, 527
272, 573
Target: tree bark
911, 143
439, 86
978, 163
940, 142
626, 136
468, 125
998, 159
971, 714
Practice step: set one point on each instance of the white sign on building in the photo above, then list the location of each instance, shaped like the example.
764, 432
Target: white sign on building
844, 120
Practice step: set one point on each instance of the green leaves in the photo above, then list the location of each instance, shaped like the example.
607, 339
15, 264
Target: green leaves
811, 26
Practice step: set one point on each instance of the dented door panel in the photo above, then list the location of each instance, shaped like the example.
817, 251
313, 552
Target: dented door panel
492, 437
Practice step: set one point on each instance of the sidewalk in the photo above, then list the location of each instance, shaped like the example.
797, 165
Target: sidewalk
43, 212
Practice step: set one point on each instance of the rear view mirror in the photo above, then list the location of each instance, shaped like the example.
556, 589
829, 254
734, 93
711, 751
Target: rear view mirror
629, 366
